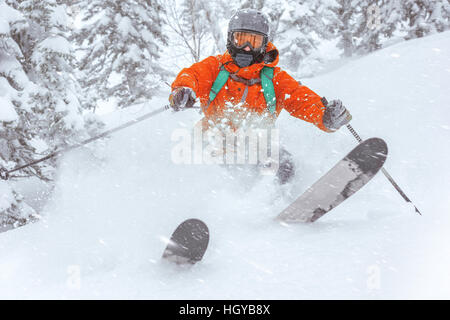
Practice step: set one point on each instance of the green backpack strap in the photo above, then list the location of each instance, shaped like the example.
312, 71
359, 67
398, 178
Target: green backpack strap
268, 88
266, 83
220, 81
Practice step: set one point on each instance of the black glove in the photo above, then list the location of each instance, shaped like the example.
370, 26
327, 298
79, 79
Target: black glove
336, 115
181, 98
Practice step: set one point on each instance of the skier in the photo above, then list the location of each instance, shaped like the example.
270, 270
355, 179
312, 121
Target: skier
245, 83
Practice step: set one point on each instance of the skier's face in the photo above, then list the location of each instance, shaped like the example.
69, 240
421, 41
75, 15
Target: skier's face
246, 47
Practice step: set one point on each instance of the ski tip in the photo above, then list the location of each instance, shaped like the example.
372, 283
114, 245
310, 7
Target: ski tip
197, 222
188, 242
378, 144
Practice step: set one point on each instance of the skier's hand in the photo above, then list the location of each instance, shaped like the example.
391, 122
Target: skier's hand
181, 98
336, 114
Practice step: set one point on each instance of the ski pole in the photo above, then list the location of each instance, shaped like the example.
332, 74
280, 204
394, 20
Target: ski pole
4, 174
386, 174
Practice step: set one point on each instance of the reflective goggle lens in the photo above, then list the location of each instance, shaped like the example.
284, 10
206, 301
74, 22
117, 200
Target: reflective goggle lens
241, 38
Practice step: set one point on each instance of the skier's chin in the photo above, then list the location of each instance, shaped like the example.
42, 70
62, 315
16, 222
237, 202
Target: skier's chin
244, 59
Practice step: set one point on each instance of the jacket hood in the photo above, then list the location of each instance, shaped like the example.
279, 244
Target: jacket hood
253, 71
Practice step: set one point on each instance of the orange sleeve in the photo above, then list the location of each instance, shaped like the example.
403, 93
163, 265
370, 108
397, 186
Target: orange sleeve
199, 77
300, 101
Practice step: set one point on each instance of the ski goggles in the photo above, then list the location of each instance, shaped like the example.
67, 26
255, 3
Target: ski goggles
242, 38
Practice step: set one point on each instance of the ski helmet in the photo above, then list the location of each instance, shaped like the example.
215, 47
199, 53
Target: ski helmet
248, 28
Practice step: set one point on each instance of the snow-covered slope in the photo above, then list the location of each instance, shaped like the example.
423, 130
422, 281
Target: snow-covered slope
103, 231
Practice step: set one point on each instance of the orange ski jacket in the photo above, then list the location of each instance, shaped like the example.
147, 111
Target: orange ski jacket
300, 101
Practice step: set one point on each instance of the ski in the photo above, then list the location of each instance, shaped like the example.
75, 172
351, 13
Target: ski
188, 243
348, 176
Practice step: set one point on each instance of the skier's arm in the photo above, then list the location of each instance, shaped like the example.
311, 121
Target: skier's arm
199, 77
300, 101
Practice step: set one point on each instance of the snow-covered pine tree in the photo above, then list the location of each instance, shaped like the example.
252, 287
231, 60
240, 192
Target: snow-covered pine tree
392, 20
120, 41
50, 64
363, 26
344, 25
15, 133
377, 22
40, 106
301, 27
423, 17
369, 27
